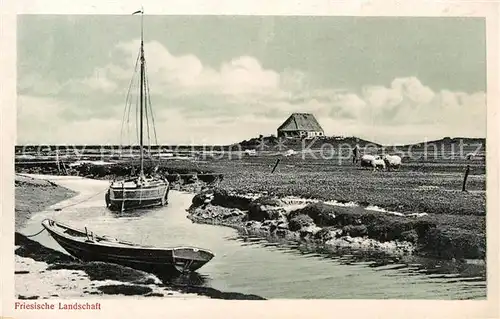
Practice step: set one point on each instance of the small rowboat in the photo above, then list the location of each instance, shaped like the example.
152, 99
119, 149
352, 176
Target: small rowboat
87, 246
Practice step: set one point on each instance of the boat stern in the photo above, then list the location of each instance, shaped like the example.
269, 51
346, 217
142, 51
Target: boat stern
188, 259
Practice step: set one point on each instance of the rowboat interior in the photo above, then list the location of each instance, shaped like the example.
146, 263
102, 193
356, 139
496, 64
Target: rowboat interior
87, 236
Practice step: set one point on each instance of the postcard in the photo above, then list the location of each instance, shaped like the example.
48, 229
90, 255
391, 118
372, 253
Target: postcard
249, 159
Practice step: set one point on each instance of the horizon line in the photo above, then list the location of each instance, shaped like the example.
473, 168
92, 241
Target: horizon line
235, 143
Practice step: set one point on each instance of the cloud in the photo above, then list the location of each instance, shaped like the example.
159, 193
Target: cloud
186, 74
236, 100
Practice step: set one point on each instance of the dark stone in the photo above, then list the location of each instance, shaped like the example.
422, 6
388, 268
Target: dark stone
128, 290
354, 230
410, 236
216, 294
198, 200
322, 214
448, 243
224, 199
28, 297
264, 208
300, 221
281, 232
323, 234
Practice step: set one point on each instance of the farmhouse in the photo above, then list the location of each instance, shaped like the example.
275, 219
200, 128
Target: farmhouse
300, 125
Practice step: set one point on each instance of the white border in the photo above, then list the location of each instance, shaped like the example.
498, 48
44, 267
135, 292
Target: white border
128, 307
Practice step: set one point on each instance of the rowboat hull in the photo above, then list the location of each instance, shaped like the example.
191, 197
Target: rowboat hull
159, 261
127, 195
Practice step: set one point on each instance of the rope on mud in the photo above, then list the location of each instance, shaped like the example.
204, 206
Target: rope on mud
59, 177
81, 201
36, 233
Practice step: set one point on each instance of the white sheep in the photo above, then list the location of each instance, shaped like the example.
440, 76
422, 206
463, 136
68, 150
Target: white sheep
378, 163
366, 160
250, 152
372, 161
392, 161
289, 153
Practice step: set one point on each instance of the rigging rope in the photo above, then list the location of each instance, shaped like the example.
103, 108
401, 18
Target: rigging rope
82, 201
137, 115
127, 105
35, 234
128, 122
59, 177
152, 117
151, 108
154, 126
146, 100
148, 108
129, 111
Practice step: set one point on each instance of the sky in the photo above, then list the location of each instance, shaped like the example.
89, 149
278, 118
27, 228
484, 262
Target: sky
224, 79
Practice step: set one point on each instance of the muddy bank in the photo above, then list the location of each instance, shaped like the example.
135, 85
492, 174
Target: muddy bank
42, 272
34, 195
335, 226
101, 278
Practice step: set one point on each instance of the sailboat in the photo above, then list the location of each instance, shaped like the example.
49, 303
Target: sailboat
139, 190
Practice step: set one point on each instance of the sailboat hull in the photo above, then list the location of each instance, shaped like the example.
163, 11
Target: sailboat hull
126, 195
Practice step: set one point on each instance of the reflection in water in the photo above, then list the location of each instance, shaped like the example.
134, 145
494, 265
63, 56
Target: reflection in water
131, 214
189, 279
452, 271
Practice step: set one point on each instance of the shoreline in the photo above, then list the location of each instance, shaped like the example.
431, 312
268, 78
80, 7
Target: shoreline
331, 226
34, 195
72, 278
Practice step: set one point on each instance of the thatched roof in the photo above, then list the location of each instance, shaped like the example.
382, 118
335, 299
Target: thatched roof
301, 122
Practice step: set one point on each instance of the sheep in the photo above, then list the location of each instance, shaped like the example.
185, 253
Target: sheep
366, 160
392, 161
372, 161
378, 163
289, 153
250, 152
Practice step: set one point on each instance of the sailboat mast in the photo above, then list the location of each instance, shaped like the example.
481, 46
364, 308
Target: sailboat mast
142, 95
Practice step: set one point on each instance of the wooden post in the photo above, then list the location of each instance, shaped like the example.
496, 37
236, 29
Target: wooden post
123, 197
275, 165
57, 161
467, 170
64, 169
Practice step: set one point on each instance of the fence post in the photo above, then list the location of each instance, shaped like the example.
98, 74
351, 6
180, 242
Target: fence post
275, 165
467, 170
57, 161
